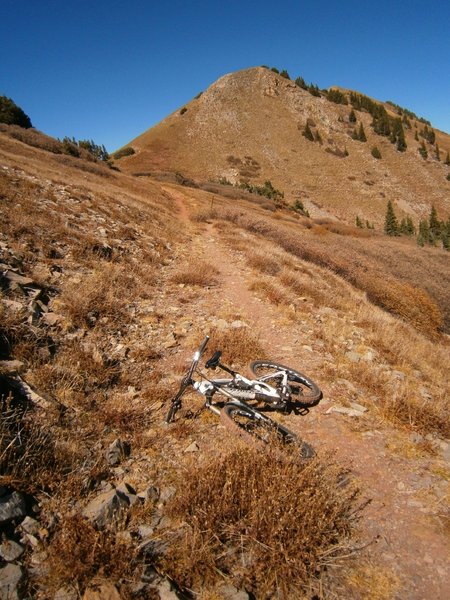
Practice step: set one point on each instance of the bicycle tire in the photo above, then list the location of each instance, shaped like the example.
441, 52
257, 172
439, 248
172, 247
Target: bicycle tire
303, 389
253, 427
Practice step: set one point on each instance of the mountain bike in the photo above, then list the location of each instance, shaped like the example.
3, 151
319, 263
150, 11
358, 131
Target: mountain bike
278, 387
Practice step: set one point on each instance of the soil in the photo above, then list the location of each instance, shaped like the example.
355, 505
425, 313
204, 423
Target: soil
402, 525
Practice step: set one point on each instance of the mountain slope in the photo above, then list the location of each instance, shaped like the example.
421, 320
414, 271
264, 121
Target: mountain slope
248, 126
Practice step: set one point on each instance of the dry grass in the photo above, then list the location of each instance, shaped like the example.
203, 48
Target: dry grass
78, 552
266, 521
271, 291
370, 581
263, 263
199, 273
238, 345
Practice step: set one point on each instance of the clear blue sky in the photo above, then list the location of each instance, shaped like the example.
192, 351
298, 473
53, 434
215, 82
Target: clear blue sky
108, 70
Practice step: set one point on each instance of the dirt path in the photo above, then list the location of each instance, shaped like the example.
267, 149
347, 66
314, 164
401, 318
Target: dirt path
409, 549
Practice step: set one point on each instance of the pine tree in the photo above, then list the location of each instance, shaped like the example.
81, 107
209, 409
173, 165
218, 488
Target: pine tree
424, 233
434, 224
307, 133
11, 114
447, 160
390, 223
352, 117
362, 134
438, 153
358, 222
410, 227
285, 74
423, 151
376, 153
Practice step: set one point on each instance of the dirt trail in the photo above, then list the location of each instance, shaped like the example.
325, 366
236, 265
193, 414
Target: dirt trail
402, 518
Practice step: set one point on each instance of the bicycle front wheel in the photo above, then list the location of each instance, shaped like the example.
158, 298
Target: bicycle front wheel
253, 427
302, 389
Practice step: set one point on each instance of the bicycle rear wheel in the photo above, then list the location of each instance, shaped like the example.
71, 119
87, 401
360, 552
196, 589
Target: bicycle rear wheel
303, 390
253, 427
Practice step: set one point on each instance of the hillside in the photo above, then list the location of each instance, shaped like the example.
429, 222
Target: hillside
248, 126
108, 284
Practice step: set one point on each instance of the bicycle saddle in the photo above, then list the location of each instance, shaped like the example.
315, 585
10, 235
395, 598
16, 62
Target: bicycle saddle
214, 360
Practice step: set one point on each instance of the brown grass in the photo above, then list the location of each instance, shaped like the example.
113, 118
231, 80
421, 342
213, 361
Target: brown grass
77, 553
264, 520
263, 263
271, 291
199, 273
239, 345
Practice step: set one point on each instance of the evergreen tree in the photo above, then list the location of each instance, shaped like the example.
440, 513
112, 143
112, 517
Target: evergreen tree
447, 160
423, 151
390, 223
285, 74
416, 137
424, 233
352, 117
434, 224
376, 153
358, 222
362, 134
301, 83
437, 153
410, 227
11, 114
307, 133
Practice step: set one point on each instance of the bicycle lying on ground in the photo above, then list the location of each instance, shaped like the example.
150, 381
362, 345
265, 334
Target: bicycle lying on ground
280, 388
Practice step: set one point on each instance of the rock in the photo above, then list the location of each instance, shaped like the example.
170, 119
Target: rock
51, 319
359, 407
66, 593
11, 578
166, 591
12, 507
353, 356
398, 375
11, 366
106, 507
229, 592
10, 550
167, 493
238, 324
116, 452
416, 438
101, 591
30, 525
344, 410
151, 494
194, 447
170, 342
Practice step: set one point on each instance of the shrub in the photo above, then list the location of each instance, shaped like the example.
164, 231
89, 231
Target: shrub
11, 114
183, 110
127, 151
410, 303
286, 517
376, 153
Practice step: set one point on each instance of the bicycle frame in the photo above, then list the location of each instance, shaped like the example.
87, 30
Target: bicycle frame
250, 389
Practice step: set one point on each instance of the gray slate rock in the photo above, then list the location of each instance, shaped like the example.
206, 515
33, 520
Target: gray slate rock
10, 550
229, 592
12, 507
11, 578
116, 452
106, 507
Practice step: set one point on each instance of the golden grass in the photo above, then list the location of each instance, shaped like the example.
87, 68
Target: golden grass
265, 520
199, 273
374, 582
238, 345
